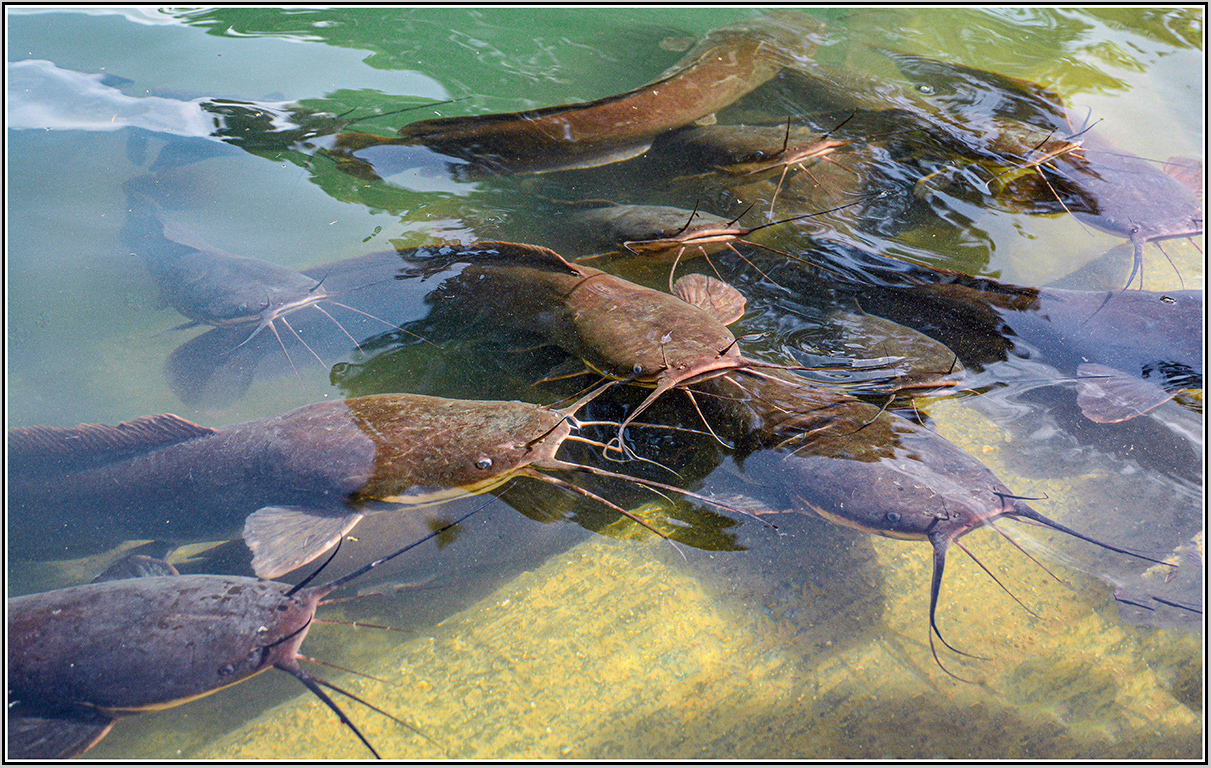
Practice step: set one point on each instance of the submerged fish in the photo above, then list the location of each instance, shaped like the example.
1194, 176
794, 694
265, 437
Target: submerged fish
1028, 128
297, 482
1128, 351
856, 465
245, 295
83, 657
1034, 158
214, 369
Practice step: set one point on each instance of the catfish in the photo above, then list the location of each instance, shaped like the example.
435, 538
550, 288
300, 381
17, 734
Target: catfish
141, 637
728, 63
1128, 351
620, 330
297, 482
1035, 158
823, 453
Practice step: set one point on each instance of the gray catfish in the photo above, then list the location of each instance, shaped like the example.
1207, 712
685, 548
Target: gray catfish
1035, 159
247, 295
1021, 126
856, 465
215, 368
1129, 351
82, 657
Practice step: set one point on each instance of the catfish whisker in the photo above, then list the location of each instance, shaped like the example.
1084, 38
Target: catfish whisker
379, 319
991, 575
1023, 550
338, 667
652, 484
382, 712
318, 308
605, 447
290, 328
289, 359
594, 497
313, 684
1168, 258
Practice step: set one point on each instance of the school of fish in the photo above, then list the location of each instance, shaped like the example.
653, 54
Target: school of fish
834, 438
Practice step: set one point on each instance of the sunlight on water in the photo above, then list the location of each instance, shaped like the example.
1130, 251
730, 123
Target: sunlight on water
532, 639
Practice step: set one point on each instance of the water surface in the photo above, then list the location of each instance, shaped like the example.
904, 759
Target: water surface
810, 643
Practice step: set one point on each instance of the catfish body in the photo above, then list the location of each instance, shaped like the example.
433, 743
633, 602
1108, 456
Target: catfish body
613, 227
141, 637
620, 329
728, 63
122, 647
309, 475
209, 287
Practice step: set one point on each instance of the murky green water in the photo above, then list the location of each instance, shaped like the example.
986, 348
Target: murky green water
614, 647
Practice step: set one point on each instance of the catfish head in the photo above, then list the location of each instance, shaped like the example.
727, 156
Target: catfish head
430, 449
632, 333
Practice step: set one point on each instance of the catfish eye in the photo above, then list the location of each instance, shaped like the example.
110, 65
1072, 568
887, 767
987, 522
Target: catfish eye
1168, 300
638, 369
893, 517
483, 463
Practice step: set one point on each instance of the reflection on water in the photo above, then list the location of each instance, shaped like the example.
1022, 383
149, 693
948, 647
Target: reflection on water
804, 639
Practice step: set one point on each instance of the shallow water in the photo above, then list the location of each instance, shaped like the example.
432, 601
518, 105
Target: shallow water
810, 643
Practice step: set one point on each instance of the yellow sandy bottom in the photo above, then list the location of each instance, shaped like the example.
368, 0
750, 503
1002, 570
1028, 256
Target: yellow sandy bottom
605, 652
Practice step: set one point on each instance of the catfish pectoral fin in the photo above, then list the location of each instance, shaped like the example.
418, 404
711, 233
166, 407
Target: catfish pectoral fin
181, 327
1187, 170
1107, 395
55, 736
285, 538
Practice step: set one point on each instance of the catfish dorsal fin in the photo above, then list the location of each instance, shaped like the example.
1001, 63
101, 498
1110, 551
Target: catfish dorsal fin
1186, 170
97, 440
713, 296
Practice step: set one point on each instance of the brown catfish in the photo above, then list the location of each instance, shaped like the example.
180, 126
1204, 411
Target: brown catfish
297, 482
82, 657
750, 150
621, 330
728, 63
665, 233
302, 479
